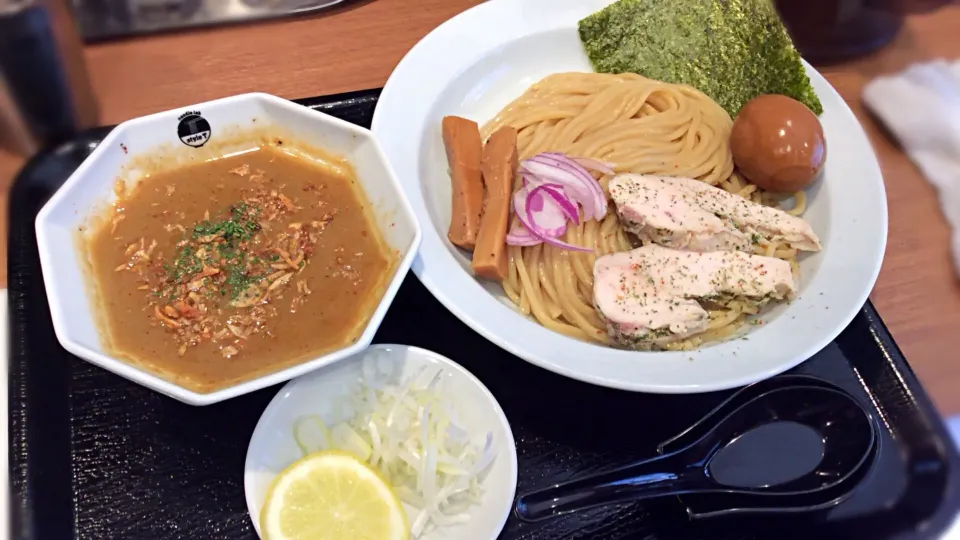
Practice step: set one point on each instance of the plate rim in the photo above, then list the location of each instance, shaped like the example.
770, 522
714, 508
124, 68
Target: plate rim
431, 259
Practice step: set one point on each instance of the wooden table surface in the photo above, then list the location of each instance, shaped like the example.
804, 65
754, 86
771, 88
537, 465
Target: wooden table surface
357, 47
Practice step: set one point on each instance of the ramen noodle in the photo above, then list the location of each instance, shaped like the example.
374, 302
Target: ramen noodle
639, 126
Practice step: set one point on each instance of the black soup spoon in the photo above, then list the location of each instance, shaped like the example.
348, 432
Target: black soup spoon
781, 442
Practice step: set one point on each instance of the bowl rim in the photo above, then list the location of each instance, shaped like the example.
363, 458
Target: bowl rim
428, 356
463, 38
60, 313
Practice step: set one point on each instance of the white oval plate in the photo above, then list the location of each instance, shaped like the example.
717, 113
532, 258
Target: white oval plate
476, 63
272, 446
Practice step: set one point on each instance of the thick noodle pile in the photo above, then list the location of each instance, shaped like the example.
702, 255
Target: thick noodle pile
640, 126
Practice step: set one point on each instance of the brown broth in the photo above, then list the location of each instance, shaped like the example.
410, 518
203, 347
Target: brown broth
346, 264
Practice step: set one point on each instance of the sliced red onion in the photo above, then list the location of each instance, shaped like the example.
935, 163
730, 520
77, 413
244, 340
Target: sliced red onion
521, 236
530, 179
569, 207
537, 172
542, 216
537, 202
540, 209
567, 163
579, 183
567, 203
553, 186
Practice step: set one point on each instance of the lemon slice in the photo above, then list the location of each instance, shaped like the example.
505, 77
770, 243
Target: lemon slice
332, 496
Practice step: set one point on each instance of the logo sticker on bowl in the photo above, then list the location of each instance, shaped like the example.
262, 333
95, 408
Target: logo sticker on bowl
193, 130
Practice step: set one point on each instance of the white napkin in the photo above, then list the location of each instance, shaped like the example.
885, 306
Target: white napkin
921, 107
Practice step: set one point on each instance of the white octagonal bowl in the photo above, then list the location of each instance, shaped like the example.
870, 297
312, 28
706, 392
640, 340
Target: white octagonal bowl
182, 135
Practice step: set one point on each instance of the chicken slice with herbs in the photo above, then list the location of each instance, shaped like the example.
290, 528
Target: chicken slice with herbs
684, 213
651, 296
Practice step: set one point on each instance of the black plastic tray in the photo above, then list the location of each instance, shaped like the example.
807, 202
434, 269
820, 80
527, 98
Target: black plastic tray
94, 456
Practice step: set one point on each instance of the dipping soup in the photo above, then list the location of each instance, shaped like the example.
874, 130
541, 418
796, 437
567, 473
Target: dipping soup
218, 272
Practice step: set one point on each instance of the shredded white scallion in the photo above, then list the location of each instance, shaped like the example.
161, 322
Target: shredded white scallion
413, 437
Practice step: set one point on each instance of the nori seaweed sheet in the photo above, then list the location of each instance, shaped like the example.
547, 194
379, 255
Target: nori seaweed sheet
732, 50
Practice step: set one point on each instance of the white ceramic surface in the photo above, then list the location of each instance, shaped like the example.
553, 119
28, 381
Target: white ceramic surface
91, 187
477, 62
272, 446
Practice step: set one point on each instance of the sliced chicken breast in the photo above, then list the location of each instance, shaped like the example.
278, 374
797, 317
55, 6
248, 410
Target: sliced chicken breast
650, 296
684, 213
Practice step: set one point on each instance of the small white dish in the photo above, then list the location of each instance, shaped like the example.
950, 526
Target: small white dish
273, 447
482, 59
181, 135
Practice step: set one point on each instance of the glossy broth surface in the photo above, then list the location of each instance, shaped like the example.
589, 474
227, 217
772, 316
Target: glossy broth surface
218, 272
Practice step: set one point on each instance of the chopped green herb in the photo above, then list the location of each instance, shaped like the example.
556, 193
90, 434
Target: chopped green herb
238, 225
185, 264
